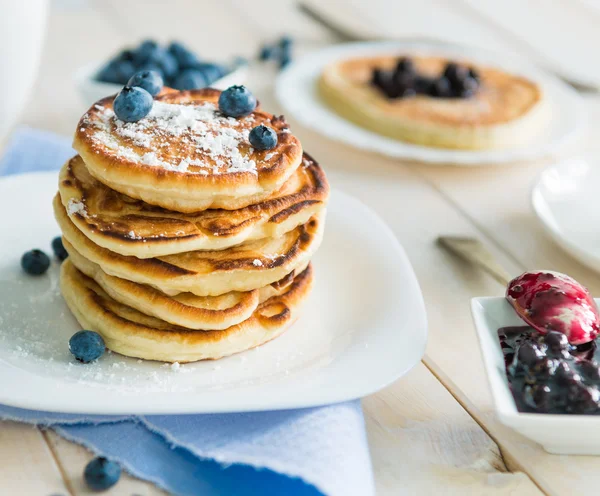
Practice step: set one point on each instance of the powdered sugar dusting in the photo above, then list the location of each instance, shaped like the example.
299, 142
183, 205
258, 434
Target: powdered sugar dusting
76, 207
219, 143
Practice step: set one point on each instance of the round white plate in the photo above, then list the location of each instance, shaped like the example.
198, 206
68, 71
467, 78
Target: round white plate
296, 92
565, 198
362, 328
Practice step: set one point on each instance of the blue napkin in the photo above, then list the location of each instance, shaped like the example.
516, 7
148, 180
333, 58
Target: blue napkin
295, 452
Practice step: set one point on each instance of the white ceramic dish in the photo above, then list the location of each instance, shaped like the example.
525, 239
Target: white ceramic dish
363, 327
93, 90
565, 199
296, 92
559, 434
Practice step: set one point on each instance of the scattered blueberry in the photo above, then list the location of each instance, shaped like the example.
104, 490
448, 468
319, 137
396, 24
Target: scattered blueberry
284, 61
268, 52
151, 81
590, 370
190, 79
424, 85
286, 42
169, 65
152, 67
442, 88
211, 72
185, 57
475, 75
147, 50
132, 104
35, 262
263, 138
125, 55
455, 72
86, 346
405, 65
116, 72
237, 101
557, 343
101, 473
59, 249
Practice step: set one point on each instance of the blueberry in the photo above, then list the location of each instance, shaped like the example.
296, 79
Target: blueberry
268, 52
542, 371
583, 399
538, 397
263, 138
284, 61
151, 66
35, 262
185, 57
168, 64
557, 343
475, 75
132, 104
441, 88
59, 249
145, 52
190, 79
455, 72
380, 78
151, 81
101, 474
405, 65
565, 375
86, 346
125, 55
590, 370
116, 72
286, 42
237, 101
211, 72
424, 85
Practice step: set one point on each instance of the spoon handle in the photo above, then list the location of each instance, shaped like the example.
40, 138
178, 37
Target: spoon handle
474, 252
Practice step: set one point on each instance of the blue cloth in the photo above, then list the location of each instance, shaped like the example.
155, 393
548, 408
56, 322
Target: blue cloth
296, 452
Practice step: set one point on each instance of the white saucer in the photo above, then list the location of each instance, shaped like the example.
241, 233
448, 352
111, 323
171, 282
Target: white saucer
363, 327
566, 200
296, 92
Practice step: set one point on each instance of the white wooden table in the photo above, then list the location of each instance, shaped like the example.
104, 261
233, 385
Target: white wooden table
433, 431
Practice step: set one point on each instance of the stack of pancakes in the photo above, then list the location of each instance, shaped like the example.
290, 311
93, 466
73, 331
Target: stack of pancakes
184, 242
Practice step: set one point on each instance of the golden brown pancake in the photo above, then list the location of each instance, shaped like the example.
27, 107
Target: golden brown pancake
205, 273
506, 110
185, 155
132, 333
132, 227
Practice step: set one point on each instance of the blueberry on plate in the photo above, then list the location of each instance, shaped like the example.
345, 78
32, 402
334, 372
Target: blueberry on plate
557, 343
35, 262
405, 65
455, 72
542, 371
190, 79
86, 346
565, 375
59, 249
101, 473
380, 78
116, 72
237, 101
423, 85
527, 355
441, 88
151, 81
263, 138
538, 397
132, 104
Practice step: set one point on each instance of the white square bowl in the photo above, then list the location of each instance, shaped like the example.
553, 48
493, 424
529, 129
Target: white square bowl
93, 90
558, 433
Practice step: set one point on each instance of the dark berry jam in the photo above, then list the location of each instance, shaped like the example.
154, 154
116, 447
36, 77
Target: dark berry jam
549, 375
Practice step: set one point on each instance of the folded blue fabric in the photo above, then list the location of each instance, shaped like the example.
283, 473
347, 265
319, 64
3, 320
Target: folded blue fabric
295, 452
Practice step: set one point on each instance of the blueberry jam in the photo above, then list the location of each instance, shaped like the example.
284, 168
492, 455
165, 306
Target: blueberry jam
547, 374
455, 81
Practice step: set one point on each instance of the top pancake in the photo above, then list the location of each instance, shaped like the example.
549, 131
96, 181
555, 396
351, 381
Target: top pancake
502, 97
185, 155
132, 227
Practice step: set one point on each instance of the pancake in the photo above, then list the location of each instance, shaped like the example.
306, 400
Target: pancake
131, 227
506, 110
185, 155
205, 273
131, 333
185, 309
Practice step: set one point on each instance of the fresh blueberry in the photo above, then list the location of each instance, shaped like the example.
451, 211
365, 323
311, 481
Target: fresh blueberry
268, 52
441, 88
455, 72
565, 375
590, 370
86, 346
151, 81
101, 474
542, 371
380, 78
538, 397
190, 79
527, 355
132, 104
423, 85
237, 101
405, 65
168, 64
286, 41
145, 51
35, 262
583, 399
263, 138
285, 60
59, 249
184, 56
475, 75
211, 72
558, 344
125, 55
116, 72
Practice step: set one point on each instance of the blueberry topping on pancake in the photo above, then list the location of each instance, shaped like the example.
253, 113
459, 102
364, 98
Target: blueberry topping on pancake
86, 346
190, 79
132, 104
237, 101
441, 88
59, 249
405, 65
455, 72
151, 81
35, 262
263, 138
101, 474
424, 85
475, 75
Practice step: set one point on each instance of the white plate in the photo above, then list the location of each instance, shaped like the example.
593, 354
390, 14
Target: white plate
560, 434
565, 198
296, 92
363, 327
93, 90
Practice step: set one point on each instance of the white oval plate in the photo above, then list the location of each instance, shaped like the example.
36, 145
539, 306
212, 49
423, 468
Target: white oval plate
565, 199
296, 92
363, 327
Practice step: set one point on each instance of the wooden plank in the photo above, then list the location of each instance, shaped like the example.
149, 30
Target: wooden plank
28, 466
73, 459
423, 442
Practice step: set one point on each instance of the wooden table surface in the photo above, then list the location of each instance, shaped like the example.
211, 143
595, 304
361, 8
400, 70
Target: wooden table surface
433, 431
